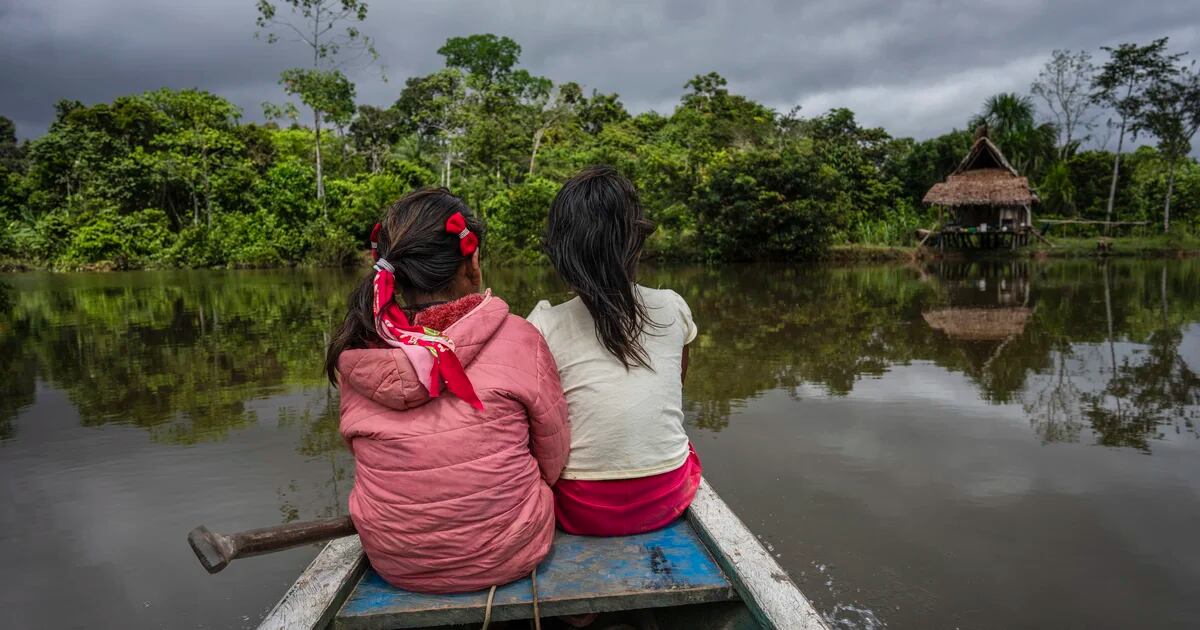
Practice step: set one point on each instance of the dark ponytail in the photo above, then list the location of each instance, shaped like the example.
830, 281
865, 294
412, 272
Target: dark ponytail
413, 238
594, 239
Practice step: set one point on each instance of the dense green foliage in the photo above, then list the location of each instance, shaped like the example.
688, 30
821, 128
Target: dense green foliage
175, 178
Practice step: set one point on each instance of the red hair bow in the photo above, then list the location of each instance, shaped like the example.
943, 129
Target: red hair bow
467, 241
375, 242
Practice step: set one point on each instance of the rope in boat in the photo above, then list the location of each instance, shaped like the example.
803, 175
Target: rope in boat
487, 612
537, 614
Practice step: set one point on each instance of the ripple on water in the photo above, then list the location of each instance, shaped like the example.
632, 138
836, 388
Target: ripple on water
853, 617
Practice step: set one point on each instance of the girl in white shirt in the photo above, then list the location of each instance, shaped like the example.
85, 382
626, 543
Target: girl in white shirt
621, 350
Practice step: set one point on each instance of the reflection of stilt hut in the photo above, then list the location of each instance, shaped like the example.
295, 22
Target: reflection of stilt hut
978, 324
988, 202
985, 283
987, 302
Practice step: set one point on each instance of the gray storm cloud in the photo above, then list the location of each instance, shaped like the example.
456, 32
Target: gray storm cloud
916, 68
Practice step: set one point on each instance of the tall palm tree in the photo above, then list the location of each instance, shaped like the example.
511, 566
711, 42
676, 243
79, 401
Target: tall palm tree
1012, 124
1007, 113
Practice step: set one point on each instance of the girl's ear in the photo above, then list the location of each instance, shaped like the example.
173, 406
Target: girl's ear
474, 270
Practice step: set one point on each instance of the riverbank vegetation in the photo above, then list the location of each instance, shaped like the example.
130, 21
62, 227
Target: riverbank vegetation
177, 178
1177, 244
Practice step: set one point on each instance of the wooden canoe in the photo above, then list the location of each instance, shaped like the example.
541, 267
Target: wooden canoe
705, 571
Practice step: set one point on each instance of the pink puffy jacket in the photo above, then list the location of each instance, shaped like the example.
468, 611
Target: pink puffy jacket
446, 498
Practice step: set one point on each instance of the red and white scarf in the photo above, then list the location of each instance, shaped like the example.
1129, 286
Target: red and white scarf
431, 352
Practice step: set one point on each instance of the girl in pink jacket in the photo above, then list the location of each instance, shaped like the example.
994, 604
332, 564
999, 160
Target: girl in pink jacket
451, 406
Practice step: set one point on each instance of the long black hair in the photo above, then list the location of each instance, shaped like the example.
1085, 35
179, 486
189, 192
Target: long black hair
594, 239
413, 238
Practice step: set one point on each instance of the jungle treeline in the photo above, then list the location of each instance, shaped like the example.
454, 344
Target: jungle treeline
178, 178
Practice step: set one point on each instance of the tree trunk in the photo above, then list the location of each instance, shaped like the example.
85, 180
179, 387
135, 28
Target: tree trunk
208, 200
316, 46
1112, 188
446, 163
537, 143
1167, 203
320, 176
207, 190
1062, 151
177, 221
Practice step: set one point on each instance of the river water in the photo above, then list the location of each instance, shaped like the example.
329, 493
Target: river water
943, 446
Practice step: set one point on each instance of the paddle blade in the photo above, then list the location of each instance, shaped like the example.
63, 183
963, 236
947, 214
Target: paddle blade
209, 549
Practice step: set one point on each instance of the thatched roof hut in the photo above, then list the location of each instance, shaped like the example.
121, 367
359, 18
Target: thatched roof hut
989, 203
983, 178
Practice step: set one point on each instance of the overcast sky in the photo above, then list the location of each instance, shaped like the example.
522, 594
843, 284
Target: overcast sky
915, 67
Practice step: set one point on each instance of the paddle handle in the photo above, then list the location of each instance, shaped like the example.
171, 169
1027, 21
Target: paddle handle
215, 550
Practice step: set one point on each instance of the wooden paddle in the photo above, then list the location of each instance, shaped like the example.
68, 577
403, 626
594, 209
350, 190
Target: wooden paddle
215, 551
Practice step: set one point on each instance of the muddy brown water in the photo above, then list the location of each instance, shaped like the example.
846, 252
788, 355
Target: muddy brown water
936, 446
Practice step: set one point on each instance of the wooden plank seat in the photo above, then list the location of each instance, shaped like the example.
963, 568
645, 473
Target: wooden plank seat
668, 567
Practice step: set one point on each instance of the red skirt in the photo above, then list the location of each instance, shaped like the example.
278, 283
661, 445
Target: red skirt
620, 507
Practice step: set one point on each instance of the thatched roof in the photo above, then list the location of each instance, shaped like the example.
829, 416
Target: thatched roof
982, 187
983, 178
978, 324
984, 154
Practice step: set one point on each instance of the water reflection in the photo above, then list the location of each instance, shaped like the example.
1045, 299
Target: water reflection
1080, 345
16, 382
1150, 389
862, 392
1133, 385
1021, 332
178, 354
317, 422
